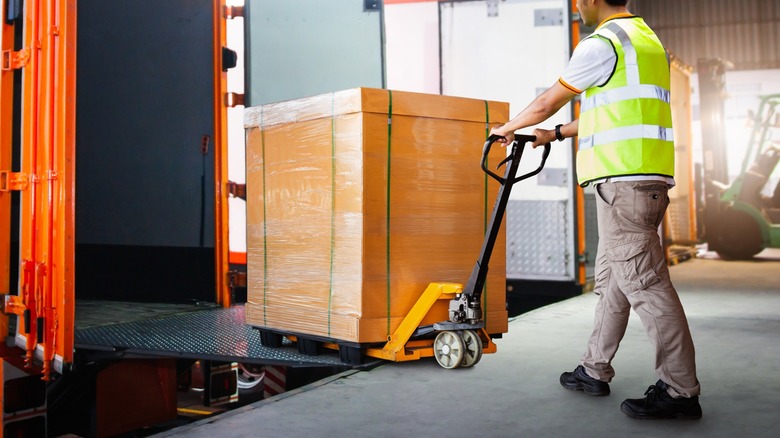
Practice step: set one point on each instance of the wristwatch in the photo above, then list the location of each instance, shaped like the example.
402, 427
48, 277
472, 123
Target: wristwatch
558, 134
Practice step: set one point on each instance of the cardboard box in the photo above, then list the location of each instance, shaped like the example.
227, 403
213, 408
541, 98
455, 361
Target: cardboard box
357, 200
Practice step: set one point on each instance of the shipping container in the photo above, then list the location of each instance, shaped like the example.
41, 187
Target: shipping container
114, 257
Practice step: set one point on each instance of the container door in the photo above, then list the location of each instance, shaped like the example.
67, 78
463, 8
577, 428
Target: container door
40, 63
308, 47
9, 152
6, 169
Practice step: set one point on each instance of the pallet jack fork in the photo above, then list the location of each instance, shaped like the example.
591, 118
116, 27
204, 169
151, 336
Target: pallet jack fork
462, 339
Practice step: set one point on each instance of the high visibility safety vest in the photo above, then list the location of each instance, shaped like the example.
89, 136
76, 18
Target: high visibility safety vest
625, 125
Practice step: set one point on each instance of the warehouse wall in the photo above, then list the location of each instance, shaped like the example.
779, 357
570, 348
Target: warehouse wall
412, 46
746, 32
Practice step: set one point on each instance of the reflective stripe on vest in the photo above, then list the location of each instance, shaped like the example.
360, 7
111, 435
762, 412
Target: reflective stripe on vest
625, 125
625, 93
632, 69
626, 133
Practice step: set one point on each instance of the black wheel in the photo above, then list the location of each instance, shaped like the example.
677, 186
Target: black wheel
739, 237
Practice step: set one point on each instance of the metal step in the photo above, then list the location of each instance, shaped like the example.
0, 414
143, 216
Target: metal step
214, 333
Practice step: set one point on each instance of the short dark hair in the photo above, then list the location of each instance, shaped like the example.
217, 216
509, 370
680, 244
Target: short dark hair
617, 2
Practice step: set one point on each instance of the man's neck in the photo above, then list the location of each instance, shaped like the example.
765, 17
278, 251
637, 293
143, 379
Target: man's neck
609, 11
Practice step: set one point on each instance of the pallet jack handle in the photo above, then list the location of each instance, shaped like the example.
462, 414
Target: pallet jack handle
466, 307
516, 153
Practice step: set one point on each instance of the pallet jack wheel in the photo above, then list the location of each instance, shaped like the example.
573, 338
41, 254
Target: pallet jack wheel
472, 348
448, 349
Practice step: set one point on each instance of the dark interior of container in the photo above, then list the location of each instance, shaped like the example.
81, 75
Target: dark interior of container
144, 151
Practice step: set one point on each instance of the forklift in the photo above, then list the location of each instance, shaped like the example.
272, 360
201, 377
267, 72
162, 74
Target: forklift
749, 216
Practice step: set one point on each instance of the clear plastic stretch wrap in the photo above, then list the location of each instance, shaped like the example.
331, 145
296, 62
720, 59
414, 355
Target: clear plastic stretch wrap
357, 200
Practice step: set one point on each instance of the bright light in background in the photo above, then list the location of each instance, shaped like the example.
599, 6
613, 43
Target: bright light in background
235, 128
743, 89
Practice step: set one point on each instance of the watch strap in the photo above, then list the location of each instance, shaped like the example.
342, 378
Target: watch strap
558, 135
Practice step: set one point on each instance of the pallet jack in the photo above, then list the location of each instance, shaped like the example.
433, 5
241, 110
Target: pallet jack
462, 339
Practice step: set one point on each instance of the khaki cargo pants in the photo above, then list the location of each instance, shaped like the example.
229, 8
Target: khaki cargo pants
631, 272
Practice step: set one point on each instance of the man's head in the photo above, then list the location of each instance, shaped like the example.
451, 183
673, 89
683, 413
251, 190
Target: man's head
594, 12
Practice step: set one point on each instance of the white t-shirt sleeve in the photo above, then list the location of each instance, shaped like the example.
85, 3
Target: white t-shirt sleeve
591, 64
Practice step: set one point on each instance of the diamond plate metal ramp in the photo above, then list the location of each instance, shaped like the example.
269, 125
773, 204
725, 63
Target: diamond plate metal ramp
212, 334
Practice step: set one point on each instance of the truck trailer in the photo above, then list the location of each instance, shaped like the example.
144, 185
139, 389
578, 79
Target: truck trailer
115, 270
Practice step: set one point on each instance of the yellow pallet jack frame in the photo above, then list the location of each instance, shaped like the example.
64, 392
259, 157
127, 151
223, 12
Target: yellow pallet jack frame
462, 340
449, 351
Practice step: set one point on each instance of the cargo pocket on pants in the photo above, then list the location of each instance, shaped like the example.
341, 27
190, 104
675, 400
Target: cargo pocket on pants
633, 265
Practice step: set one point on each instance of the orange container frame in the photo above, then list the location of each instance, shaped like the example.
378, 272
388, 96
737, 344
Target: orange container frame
45, 303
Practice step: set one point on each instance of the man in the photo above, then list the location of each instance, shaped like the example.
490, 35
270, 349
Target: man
626, 150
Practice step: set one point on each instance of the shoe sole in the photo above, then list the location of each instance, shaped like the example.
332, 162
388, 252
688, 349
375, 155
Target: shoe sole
580, 387
633, 414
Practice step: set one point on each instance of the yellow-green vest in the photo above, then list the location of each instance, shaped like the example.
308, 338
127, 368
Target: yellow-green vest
625, 125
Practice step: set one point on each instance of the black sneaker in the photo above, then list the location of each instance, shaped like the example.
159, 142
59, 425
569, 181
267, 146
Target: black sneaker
660, 405
579, 380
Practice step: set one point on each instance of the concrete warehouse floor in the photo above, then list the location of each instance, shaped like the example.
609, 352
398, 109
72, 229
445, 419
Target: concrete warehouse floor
734, 313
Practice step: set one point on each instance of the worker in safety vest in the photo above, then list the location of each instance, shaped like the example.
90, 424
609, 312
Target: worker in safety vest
626, 150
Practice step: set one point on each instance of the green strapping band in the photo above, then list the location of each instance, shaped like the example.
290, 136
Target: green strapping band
485, 219
265, 221
387, 224
333, 200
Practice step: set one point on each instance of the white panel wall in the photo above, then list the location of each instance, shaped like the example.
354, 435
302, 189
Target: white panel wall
412, 47
507, 58
496, 51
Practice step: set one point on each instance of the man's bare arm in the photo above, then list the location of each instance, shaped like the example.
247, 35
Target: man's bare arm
541, 109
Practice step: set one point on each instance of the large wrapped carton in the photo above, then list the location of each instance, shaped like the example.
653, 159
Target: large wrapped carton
357, 200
